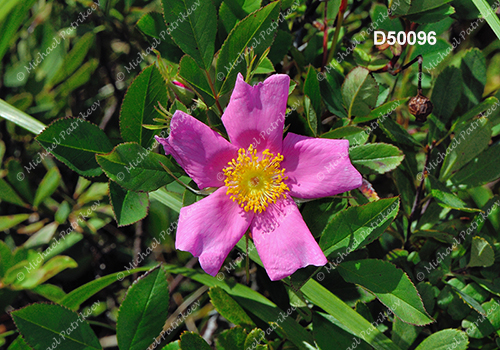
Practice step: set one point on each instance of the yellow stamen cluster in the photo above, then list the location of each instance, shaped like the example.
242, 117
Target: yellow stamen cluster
254, 182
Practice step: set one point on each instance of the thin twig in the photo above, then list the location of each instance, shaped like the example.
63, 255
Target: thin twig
415, 213
340, 19
216, 96
137, 241
325, 37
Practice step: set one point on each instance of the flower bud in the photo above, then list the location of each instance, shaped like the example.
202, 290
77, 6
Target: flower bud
182, 92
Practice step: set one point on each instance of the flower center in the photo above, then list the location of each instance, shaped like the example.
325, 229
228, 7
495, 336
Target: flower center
255, 182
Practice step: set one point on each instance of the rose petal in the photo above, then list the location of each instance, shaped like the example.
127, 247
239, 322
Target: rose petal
210, 228
283, 240
256, 114
318, 167
199, 150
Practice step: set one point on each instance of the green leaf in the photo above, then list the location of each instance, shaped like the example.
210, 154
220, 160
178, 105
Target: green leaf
228, 308
253, 302
404, 334
432, 54
153, 25
19, 344
193, 25
23, 278
128, 206
391, 286
311, 89
438, 14
265, 67
6, 260
330, 84
489, 15
73, 59
75, 142
16, 178
192, 341
232, 339
445, 339
470, 301
385, 110
227, 21
146, 91
312, 119
359, 92
232, 11
255, 31
477, 110
242, 8
350, 320
48, 186
356, 135
20, 118
79, 78
170, 200
476, 292
42, 236
9, 26
62, 212
397, 133
75, 298
135, 168
7, 6
49, 325
479, 327
70, 240
255, 337
446, 93
50, 292
318, 213
355, 227
326, 328
446, 198
481, 254
384, 22
400, 7
173, 346
479, 171
10, 221
473, 69
144, 311
8, 194
425, 5
378, 157
197, 78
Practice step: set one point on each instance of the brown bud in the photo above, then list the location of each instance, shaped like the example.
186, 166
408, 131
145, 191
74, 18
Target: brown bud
420, 106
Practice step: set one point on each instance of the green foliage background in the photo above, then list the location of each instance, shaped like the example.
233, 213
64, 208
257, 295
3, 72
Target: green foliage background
85, 87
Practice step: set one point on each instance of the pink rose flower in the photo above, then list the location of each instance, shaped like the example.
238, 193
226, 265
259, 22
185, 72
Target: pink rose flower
256, 176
